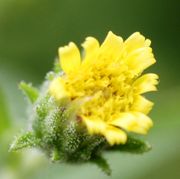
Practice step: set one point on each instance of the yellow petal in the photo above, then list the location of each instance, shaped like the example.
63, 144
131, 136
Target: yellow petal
94, 126
137, 54
133, 121
70, 59
144, 123
141, 104
135, 41
125, 120
140, 59
147, 43
146, 83
115, 135
57, 89
111, 47
91, 46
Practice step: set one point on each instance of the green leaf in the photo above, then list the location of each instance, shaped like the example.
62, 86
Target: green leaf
102, 164
30, 92
26, 140
132, 145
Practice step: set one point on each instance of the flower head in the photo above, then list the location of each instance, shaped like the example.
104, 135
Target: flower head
107, 84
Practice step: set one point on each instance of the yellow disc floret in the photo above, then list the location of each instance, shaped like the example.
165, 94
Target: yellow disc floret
108, 84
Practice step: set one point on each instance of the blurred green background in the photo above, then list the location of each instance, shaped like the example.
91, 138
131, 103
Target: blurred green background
30, 33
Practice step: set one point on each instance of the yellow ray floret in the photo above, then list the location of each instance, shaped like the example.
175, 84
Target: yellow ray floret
108, 84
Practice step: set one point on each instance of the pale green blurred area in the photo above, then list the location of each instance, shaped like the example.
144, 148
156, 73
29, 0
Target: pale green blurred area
30, 33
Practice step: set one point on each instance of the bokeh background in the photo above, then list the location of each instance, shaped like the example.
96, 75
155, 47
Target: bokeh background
31, 32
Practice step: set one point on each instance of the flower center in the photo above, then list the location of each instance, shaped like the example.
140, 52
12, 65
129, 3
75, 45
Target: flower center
104, 92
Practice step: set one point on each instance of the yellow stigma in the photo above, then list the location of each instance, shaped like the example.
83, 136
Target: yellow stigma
108, 84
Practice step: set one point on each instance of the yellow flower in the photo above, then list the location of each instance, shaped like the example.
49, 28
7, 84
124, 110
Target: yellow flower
107, 83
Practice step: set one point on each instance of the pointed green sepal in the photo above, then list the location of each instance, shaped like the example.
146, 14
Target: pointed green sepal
24, 141
30, 92
102, 164
132, 145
